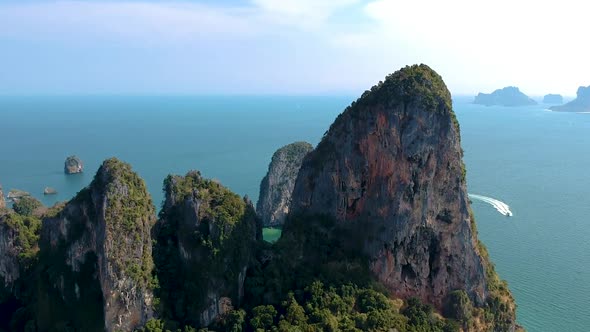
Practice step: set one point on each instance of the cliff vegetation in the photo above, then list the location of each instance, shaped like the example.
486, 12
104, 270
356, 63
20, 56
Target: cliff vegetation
204, 242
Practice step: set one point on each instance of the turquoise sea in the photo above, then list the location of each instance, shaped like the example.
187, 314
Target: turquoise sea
534, 160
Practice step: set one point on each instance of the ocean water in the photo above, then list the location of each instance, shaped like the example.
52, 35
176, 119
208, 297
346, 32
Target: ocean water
531, 159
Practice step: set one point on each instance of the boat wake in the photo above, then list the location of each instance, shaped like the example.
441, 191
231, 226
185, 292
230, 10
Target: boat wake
502, 207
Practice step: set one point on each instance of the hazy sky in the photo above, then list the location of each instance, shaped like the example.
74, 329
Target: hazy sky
289, 46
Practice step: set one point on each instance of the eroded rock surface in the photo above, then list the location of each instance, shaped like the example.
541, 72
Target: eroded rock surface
96, 256
277, 186
9, 251
390, 168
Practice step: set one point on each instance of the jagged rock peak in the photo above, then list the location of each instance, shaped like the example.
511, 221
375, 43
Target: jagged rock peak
277, 186
390, 168
417, 84
205, 241
99, 247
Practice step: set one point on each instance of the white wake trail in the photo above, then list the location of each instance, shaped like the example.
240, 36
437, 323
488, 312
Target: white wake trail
500, 206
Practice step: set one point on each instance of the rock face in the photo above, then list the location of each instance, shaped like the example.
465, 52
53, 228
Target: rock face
2, 200
580, 104
205, 241
508, 96
73, 165
390, 168
19, 236
553, 99
277, 186
96, 256
9, 264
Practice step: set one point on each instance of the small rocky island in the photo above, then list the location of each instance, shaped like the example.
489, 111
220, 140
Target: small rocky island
508, 96
553, 99
49, 191
73, 165
580, 104
276, 187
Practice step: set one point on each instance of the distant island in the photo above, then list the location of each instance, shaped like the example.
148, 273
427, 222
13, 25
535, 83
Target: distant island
49, 191
73, 165
580, 104
508, 96
553, 99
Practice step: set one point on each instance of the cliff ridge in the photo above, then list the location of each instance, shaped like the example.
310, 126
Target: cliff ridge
96, 256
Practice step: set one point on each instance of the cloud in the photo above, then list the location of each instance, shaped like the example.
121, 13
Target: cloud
325, 44
491, 22
535, 43
169, 21
168, 46
130, 21
302, 13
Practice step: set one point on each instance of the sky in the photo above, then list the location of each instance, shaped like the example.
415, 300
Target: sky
289, 47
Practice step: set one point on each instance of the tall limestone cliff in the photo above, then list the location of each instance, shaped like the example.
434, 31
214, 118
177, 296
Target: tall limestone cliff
205, 241
96, 256
9, 252
390, 169
276, 187
9, 271
19, 235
